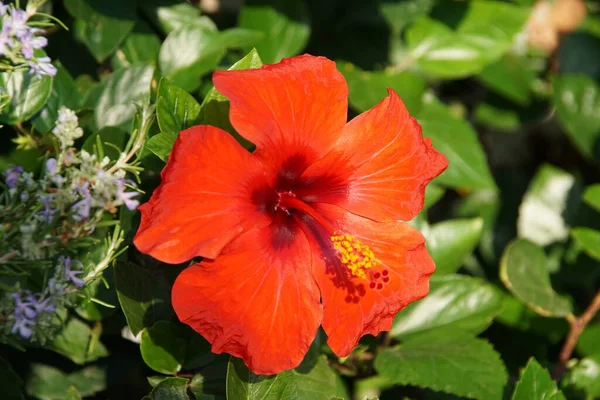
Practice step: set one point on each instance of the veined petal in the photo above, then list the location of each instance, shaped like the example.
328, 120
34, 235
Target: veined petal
293, 111
352, 308
258, 300
209, 195
379, 167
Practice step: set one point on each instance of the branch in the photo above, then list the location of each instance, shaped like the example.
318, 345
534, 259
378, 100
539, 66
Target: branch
577, 326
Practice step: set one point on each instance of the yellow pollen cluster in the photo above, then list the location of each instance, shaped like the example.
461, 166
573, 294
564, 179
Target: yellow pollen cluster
354, 254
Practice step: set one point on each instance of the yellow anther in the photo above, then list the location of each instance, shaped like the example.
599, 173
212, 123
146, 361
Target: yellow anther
354, 254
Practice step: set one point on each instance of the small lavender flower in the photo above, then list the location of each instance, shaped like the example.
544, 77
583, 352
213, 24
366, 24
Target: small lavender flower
52, 172
5, 40
82, 208
23, 326
25, 307
3, 9
27, 311
11, 176
69, 274
48, 212
17, 22
126, 197
30, 42
42, 66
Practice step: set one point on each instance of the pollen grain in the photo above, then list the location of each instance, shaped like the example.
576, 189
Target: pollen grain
354, 254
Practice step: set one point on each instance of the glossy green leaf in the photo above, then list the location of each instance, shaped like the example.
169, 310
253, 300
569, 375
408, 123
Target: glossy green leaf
455, 302
28, 94
591, 196
141, 46
577, 102
284, 24
170, 389
171, 16
502, 119
450, 242
446, 362
110, 137
550, 202
524, 271
510, 77
367, 89
589, 341
482, 37
307, 382
102, 26
46, 382
145, 298
188, 53
10, 382
401, 13
76, 342
176, 109
114, 97
536, 383
456, 139
589, 240
160, 145
64, 93
584, 376
163, 347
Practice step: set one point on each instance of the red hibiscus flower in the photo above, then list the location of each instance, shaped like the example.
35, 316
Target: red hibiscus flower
305, 231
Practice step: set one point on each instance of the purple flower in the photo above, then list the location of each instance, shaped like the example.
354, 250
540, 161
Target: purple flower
48, 212
42, 66
5, 40
3, 9
11, 176
29, 42
71, 275
82, 208
23, 326
24, 308
126, 197
16, 23
51, 171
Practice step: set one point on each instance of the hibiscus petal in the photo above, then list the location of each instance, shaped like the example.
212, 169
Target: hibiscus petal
379, 167
351, 307
208, 196
258, 300
293, 111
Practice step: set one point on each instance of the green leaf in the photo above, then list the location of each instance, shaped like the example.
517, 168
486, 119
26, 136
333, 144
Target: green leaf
401, 13
433, 194
10, 382
589, 240
141, 46
27, 92
588, 342
210, 382
591, 196
188, 53
523, 269
498, 118
144, 298
307, 382
456, 139
550, 202
536, 383
109, 136
578, 110
285, 24
46, 382
102, 26
483, 36
114, 97
163, 347
73, 394
450, 242
173, 16
160, 145
176, 109
93, 311
584, 375
454, 302
169, 389
510, 77
64, 93
446, 362
75, 342
367, 89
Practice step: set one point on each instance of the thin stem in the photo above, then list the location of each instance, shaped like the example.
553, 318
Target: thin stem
8, 256
577, 324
